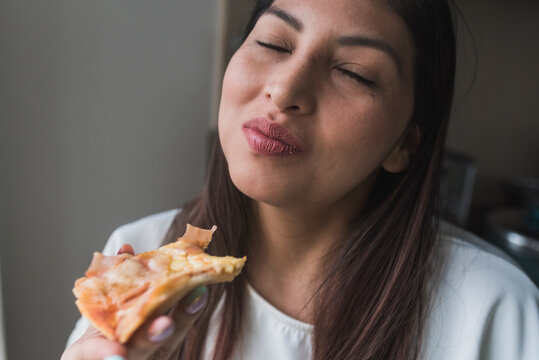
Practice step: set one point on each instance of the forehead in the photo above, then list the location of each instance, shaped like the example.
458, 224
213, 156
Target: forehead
341, 13
338, 18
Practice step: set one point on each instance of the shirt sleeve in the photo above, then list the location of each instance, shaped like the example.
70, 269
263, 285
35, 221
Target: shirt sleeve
486, 308
512, 328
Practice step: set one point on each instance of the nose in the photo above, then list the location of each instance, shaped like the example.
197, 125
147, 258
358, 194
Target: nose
291, 87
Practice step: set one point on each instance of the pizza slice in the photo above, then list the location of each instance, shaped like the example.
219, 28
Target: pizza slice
120, 292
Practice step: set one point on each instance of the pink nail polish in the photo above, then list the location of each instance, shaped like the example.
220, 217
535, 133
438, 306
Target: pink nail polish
161, 329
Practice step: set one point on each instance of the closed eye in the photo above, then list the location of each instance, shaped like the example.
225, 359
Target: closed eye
358, 78
273, 47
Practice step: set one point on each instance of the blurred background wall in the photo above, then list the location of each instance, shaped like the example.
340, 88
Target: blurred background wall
104, 109
104, 112
495, 116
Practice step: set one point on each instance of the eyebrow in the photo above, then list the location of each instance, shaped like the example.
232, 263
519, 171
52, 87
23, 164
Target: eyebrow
372, 43
345, 41
286, 17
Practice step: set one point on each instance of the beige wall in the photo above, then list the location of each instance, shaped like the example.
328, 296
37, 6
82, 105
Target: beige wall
104, 108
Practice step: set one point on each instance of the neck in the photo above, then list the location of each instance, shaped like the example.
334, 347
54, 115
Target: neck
292, 239
289, 250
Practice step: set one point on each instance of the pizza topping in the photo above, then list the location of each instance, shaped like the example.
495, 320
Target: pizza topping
101, 263
125, 273
159, 263
120, 292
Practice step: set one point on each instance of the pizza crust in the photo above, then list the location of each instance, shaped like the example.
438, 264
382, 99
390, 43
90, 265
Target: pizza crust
119, 293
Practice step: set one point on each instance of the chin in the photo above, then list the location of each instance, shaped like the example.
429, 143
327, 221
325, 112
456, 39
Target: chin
262, 189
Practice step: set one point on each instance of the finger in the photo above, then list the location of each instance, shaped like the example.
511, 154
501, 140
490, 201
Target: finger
185, 313
152, 333
94, 346
193, 303
171, 328
160, 329
126, 249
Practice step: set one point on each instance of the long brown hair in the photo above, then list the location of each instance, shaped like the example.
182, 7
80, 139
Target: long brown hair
375, 297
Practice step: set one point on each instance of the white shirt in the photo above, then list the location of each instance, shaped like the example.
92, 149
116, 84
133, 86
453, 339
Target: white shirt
485, 307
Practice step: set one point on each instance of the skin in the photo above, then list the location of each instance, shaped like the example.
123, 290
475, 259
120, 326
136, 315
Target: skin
306, 81
298, 74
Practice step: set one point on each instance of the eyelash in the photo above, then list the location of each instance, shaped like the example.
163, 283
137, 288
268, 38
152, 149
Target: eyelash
357, 77
348, 73
273, 47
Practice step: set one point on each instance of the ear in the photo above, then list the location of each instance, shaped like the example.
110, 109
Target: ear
399, 159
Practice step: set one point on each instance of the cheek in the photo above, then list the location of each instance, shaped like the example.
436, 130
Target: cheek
357, 126
239, 91
241, 80
232, 94
362, 136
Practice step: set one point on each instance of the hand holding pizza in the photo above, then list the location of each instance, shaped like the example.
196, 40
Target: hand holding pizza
159, 338
123, 297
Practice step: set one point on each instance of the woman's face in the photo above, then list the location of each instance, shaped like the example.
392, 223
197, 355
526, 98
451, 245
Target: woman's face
316, 100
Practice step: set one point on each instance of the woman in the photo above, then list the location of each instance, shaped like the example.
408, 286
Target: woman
331, 126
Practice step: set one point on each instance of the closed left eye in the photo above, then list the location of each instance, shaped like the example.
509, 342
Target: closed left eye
272, 47
357, 77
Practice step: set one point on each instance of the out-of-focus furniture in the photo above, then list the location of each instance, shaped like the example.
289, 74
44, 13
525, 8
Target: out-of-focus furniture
514, 226
509, 228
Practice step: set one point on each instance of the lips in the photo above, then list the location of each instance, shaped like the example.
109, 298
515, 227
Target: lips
270, 139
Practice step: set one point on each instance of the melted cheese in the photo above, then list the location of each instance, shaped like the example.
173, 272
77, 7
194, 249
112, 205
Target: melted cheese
120, 292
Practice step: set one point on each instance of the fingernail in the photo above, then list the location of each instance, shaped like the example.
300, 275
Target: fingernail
196, 300
114, 357
126, 249
161, 329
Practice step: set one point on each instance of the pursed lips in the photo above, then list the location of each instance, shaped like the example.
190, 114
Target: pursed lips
270, 139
